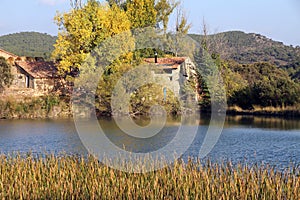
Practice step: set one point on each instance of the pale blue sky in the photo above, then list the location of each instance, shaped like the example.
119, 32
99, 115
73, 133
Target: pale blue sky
276, 19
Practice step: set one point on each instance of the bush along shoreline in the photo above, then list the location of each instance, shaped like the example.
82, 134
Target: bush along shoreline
72, 177
35, 108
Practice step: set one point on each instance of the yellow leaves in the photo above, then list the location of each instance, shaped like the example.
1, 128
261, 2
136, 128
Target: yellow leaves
141, 13
84, 29
58, 19
118, 17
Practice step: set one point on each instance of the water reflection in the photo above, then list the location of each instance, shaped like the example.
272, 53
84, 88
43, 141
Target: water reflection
151, 143
264, 122
274, 123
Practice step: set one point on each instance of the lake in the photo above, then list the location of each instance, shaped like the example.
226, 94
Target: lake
274, 141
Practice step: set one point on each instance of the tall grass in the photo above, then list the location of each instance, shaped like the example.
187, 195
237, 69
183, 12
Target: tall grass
291, 111
69, 177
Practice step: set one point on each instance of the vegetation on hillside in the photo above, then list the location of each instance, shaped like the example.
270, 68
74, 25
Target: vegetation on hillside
29, 44
266, 85
260, 84
246, 48
254, 81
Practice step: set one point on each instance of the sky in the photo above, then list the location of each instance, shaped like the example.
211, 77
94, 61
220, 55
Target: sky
276, 19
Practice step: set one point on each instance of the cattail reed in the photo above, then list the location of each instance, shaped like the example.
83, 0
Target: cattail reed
71, 177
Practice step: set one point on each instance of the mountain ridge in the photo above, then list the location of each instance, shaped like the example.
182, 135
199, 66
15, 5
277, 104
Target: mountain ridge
29, 44
239, 46
246, 48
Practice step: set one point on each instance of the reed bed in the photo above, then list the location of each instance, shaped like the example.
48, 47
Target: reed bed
71, 177
286, 111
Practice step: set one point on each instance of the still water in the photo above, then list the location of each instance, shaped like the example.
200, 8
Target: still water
274, 141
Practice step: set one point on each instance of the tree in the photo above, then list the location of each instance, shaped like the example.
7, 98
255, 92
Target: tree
213, 43
164, 9
274, 87
267, 85
182, 25
212, 68
177, 42
233, 81
98, 39
5, 74
120, 3
76, 4
83, 29
141, 13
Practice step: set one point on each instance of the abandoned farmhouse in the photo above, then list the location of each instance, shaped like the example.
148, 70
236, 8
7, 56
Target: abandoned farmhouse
31, 76
175, 72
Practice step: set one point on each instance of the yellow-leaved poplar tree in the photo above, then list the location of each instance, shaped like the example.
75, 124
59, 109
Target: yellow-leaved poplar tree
141, 13
83, 29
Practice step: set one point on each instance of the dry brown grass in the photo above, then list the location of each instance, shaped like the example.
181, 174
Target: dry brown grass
272, 111
70, 177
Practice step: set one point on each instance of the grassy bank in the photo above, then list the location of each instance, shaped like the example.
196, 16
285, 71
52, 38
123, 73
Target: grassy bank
288, 111
52, 106
34, 107
74, 178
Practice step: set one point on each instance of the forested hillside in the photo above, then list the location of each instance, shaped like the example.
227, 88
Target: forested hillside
248, 48
233, 45
31, 44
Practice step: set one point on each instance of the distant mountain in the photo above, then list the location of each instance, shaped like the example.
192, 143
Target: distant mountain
31, 44
233, 45
250, 47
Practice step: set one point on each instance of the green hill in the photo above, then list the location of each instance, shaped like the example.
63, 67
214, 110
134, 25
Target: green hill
233, 45
250, 47
31, 44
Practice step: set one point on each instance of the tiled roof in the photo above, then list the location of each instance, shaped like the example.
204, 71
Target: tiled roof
39, 69
167, 63
8, 53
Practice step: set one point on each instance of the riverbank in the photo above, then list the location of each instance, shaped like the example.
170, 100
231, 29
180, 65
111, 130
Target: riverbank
68, 177
289, 111
55, 107
35, 108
